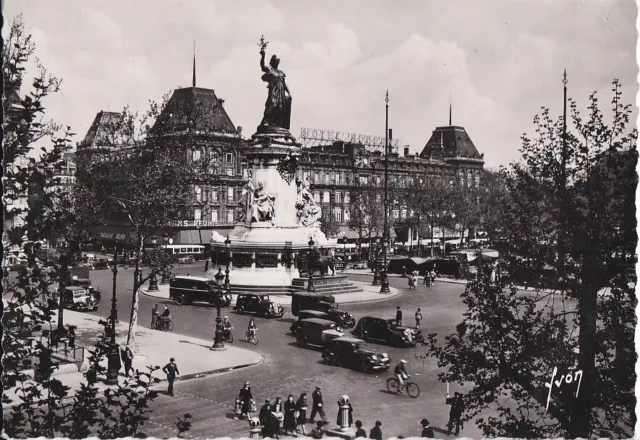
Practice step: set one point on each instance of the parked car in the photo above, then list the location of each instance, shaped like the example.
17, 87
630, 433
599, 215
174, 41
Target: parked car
186, 259
78, 298
86, 283
306, 314
99, 264
351, 353
261, 305
316, 331
188, 289
324, 303
384, 331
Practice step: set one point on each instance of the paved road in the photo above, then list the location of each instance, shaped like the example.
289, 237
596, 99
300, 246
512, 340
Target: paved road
288, 369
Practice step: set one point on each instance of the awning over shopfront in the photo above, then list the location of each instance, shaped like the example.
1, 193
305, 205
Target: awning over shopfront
352, 234
198, 236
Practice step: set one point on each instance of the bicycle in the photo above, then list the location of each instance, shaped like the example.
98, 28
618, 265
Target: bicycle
251, 337
412, 388
165, 325
227, 336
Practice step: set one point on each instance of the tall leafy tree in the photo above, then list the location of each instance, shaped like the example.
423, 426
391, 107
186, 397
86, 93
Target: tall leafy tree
40, 210
366, 211
575, 189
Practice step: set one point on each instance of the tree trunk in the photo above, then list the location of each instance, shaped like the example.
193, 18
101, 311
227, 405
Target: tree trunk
135, 299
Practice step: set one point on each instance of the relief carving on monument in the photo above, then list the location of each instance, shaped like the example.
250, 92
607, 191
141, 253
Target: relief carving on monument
308, 212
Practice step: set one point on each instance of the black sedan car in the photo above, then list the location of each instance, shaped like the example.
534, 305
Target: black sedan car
351, 353
316, 332
261, 305
384, 331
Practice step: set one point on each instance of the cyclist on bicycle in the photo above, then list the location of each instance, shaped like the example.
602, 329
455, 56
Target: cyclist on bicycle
226, 325
252, 329
401, 374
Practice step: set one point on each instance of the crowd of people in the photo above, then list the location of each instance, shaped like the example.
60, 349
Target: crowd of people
291, 416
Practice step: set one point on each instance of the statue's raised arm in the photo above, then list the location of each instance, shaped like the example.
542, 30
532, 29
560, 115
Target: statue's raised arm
277, 109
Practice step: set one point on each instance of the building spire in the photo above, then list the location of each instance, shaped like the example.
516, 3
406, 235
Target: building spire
194, 63
450, 109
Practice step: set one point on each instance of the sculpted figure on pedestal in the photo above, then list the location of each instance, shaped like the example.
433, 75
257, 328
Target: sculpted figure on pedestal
242, 210
308, 212
277, 108
263, 209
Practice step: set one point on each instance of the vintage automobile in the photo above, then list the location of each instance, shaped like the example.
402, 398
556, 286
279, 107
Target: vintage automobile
189, 259
351, 353
79, 298
261, 305
306, 314
385, 331
324, 303
317, 332
187, 289
99, 264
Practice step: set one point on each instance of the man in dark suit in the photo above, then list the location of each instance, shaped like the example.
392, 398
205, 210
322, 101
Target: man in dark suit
398, 316
455, 414
318, 405
376, 432
427, 430
171, 370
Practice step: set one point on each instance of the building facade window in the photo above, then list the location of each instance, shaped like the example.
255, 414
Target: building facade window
230, 216
229, 171
305, 175
336, 177
196, 155
364, 180
338, 197
316, 177
198, 194
377, 180
316, 197
326, 178
197, 214
229, 158
230, 196
214, 195
214, 216
337, 215
346, 215
326, 197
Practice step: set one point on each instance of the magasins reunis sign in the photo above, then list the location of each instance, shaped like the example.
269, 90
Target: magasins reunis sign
194, 224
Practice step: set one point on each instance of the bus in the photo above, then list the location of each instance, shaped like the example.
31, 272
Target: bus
197, 251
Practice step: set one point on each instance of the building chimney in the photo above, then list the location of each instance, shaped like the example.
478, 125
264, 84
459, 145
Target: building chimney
406, 151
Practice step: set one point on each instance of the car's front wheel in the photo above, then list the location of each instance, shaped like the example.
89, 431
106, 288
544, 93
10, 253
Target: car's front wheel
179, 299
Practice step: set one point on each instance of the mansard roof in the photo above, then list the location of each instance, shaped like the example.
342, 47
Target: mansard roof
198, 109
101, 127
450, 141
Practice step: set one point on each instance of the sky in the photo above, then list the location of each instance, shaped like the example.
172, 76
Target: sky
497, 61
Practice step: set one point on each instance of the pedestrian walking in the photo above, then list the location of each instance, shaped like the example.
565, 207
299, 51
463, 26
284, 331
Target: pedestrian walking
418, 317
376, 432
455, 413
289, 423
127, 359
318, 404
276, 410
206, 265
404, 271
71, 335
301, 408
398, 316
360, 433
317, 431
246, 398
154, 316
427, 430
171, 370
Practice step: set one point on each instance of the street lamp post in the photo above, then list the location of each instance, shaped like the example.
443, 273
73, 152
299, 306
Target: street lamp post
344, 243
113, 365
376, 272
310, 286
165, 272
384, 279
218, 342
227, 285
153, 282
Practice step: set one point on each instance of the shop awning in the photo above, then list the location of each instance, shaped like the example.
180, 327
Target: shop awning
352, 234
199, 236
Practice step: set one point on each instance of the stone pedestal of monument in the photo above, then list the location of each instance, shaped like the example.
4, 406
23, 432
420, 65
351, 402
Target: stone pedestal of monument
271, 233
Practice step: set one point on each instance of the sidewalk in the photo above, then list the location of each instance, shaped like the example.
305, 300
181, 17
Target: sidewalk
152, 348
369, 293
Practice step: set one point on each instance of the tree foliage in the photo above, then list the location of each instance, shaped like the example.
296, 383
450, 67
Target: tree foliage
38, 210
578, 221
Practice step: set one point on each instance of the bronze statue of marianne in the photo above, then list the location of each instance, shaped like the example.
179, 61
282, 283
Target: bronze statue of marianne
277, 109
